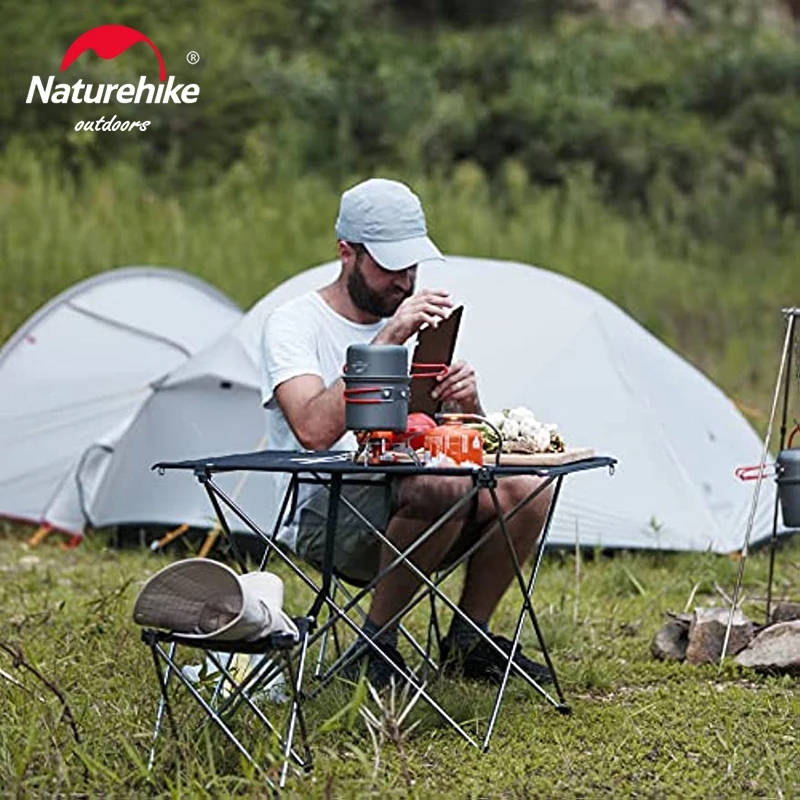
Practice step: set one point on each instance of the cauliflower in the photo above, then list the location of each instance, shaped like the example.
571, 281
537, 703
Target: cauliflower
541, 439
528, 428
497, 418
522, 432
521, 415
511, 429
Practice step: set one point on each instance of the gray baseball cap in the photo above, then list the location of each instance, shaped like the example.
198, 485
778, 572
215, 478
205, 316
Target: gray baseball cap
387, 218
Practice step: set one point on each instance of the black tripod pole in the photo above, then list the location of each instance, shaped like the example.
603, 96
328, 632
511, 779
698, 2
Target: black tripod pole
791, 313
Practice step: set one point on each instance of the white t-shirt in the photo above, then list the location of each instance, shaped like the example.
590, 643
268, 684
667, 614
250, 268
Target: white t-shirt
302, 337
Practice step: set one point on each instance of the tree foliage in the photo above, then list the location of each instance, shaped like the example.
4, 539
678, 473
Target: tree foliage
658, 118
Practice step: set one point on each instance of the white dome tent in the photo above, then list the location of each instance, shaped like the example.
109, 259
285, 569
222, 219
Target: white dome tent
536, 339
75, 376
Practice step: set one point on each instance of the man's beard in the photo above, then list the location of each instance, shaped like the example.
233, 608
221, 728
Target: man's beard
368, 300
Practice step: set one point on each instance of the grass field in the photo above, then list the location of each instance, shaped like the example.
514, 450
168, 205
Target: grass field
640, 728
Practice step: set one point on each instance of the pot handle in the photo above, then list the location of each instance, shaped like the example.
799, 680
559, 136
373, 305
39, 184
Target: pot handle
752, 473
348, 396
437, 370
791, 435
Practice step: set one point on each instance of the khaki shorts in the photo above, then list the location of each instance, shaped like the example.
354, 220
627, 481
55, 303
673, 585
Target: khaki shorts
357, 550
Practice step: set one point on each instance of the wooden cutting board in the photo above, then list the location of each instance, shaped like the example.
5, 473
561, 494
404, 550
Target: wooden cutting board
540, 459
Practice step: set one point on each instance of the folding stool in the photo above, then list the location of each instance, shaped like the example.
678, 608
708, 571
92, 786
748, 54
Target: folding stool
233, 697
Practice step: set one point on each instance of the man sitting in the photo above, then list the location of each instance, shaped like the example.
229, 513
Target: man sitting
382, 238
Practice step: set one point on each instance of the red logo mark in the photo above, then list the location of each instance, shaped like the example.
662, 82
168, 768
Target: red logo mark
108, 41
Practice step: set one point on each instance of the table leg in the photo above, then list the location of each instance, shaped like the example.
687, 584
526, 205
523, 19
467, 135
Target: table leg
330, 540
288, 496
433, 585
262, 534
402, 557
526, 591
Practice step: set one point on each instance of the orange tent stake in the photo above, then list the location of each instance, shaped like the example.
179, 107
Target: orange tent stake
168, 537
209, 542
41, 533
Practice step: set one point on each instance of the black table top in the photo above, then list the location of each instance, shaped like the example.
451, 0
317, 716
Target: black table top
340, 461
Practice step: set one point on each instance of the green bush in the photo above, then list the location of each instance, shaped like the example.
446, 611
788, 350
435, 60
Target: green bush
339, 86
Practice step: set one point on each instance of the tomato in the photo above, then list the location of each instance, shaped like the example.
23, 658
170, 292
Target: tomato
416, 427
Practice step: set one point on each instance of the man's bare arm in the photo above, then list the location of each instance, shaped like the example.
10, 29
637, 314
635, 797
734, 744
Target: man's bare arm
314, 412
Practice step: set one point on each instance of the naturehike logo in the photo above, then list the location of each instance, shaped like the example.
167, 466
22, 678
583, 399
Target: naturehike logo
109, 41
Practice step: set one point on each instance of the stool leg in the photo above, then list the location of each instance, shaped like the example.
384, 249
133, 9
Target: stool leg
298, 696
221, 688
295, 713
163, 701
260, 675
212, 714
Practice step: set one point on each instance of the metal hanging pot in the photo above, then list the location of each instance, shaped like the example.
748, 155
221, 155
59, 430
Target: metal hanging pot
787, 475
788, 471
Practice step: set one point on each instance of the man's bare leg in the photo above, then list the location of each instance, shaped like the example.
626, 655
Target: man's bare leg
398, 587
421, 500
490, 570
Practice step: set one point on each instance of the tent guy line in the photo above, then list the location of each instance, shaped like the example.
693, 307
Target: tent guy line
129, 328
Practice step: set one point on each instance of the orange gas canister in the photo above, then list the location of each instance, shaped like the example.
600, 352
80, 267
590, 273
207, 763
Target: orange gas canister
456, 441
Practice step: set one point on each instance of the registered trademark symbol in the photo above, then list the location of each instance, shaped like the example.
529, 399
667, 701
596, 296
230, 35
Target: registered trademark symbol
193, 56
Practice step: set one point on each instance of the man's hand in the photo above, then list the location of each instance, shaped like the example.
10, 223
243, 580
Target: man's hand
428, 306
459, 386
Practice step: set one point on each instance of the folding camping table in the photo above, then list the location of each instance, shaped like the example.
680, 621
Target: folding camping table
329, 469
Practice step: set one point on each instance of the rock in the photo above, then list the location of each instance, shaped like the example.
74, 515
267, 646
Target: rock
707, 634
775, 649
669, 644
785, 612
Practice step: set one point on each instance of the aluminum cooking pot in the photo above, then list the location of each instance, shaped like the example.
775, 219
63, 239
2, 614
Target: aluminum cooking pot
376, 380
376, 387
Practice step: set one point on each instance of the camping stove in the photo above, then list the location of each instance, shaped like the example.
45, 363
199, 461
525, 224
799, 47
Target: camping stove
384, 447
